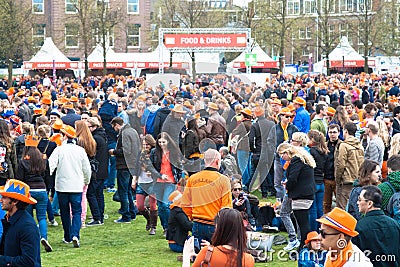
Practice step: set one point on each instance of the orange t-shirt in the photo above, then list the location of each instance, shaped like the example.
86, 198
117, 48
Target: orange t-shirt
221, 257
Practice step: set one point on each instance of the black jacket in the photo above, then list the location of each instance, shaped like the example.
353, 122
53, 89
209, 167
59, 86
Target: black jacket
34, 180
320, 159
178, 226
25, 113
300, 180
100, 137
156, 161
279, 132
395, 126
262, 137
159, 120
330, 160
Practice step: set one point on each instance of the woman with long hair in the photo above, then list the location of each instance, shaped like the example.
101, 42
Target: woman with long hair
369, 174
8, 159
190, 147
319, 151
165, 159
85, 139
340, 118
143, 181
26, 129
383, 133
31, 170
228, 242
300, 183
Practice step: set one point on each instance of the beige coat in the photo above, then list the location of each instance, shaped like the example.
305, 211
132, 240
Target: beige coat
348, 159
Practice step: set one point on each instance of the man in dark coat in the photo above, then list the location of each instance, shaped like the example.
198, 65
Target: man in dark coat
94, 193
24, 112
20, 243
71, 117
161, 116
378, 234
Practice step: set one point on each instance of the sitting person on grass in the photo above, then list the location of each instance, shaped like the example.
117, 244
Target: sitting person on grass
178, 223
312, 255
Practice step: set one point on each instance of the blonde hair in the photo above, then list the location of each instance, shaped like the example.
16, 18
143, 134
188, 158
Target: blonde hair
383, 132
300, 137
27, 128
299, 152
43, 131
395, 145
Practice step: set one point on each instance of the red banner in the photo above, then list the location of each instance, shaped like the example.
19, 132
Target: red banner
137, 65
259, 65
49, 65
205, 40
349, 63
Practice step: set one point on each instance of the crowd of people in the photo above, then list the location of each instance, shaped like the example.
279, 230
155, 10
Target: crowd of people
326, 147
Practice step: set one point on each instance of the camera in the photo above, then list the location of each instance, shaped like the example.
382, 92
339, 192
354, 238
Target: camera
241, 196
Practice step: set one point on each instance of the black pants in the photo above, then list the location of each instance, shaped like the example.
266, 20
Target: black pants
303, 223
95, 199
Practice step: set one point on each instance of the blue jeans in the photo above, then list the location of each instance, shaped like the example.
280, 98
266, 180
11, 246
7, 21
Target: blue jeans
54, 204
202, 231
50, 213
68, 202
162, 192
41, 208
242, 159
112, 171
95, 197
316, 210
175, 247
124, 180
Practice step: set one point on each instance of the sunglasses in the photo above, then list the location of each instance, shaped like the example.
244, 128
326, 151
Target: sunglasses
323, 234
288, 117
236, 189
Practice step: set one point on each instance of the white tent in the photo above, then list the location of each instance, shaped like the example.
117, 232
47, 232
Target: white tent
263, 60
48, 56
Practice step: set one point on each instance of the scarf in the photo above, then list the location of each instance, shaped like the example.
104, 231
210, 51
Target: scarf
285, 133
341, 258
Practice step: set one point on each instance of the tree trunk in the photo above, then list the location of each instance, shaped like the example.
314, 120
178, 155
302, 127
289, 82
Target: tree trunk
10, 73
193, 65
328, 68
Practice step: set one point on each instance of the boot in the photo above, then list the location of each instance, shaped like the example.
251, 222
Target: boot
153, 222
146, 215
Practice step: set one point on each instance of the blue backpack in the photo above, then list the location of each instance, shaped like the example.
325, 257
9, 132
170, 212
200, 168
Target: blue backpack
148, 120
393, 207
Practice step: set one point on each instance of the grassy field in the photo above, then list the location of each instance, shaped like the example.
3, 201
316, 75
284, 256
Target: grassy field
118, 245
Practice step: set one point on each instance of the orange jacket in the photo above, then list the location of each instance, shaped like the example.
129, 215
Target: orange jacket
206, 193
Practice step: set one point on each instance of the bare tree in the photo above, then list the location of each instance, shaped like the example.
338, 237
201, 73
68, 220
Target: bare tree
16, 23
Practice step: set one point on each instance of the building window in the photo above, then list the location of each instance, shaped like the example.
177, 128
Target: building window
302, 34
309, 7
217, 3
70, 6
305, 52
38, 35
133, 6
38, 6
346, 5
133, 39
71, 35
109, 37
293, 7
363, 5
308, 32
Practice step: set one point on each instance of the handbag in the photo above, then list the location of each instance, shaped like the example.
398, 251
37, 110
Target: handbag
258, 245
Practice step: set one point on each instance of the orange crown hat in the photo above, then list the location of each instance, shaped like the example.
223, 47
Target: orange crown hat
285, 111
300, 101
56, 138
73, 99
331, 111
39, 111
212, 105
68, 131
259, 111
276, 102
340, 220
311, 236
18, 190
57, 125
31, 99
32, 140
46, 100
246, 111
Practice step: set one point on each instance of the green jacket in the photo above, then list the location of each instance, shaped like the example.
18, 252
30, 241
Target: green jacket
320, 125
379, 234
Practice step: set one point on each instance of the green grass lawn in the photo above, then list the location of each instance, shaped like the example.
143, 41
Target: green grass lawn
118, 245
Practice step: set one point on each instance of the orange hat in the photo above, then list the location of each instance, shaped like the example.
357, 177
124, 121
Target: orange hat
11, 91
259, 111
212, 105
73, 99
291, 107
312, 236
56, 138
39, 111
36, 93
285, 111
246, 111
57, 125
32, 140
46, 93
300, 101
340, 220
21, 93
68, 105
142, 97
276, 101
18, 190
46, 100
63, 100
88, 100
31, 99
331, 111
68, 131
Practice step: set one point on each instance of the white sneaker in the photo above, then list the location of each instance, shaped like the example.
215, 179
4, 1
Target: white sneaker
46, 245
53, 223
292, 245
75, 242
